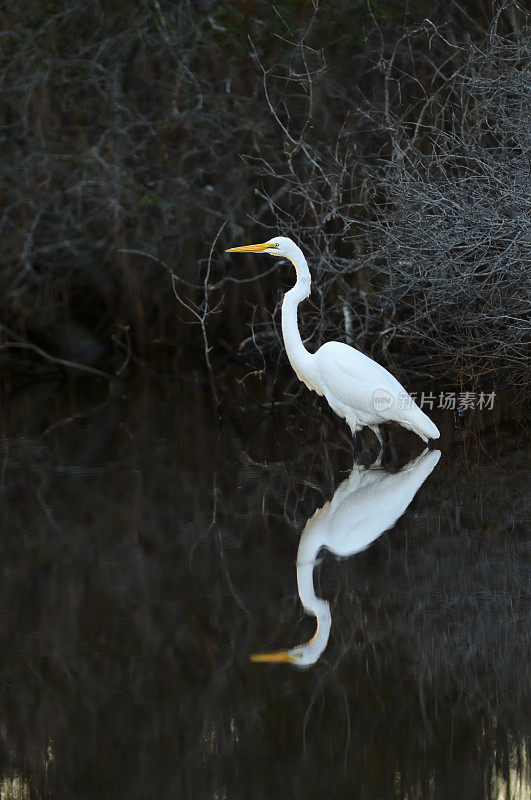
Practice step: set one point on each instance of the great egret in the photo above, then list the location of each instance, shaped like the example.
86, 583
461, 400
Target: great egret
356, 387
364, 506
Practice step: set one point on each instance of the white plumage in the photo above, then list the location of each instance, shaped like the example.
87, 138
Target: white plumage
365, 505
356, 387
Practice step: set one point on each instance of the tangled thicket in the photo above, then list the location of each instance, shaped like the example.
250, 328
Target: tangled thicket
456, 224
441, 215
395, 151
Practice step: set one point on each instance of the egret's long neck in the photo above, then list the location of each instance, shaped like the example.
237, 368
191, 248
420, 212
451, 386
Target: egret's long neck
309, 546
297, 353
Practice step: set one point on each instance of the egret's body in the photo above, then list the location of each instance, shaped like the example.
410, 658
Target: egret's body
364, 506
356, 387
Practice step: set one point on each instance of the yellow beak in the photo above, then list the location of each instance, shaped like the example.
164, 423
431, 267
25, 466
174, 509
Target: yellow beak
250, 248
272, 658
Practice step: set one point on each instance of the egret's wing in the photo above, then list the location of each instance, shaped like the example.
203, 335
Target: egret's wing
353, 378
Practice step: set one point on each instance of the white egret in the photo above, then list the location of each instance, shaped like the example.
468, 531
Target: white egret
364, 506
356, 387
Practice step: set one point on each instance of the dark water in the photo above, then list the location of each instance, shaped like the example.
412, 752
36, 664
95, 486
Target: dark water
148, 550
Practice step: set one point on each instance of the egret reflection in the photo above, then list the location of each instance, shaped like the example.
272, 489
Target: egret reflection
365, 505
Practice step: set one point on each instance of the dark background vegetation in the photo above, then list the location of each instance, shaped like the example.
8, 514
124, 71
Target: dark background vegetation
140, 139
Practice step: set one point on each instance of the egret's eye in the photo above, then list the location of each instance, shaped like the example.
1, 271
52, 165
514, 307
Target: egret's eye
275, 244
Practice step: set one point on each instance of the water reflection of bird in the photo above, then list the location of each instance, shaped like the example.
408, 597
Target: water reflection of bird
362, 508
356, 387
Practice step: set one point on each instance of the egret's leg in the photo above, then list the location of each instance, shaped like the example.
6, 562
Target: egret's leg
376, 431
354, 431
353, 425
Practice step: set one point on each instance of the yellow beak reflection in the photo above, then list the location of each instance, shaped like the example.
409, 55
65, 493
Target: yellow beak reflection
250, 248
272, 658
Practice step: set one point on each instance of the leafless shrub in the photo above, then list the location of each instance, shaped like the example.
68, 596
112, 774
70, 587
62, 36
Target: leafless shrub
420, 241
132, 132
121, 132
453, 234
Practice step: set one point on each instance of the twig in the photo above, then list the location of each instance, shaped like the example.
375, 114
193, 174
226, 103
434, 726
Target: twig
54, 360
201, 315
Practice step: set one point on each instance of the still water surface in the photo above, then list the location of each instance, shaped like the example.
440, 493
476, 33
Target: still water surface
149, 549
